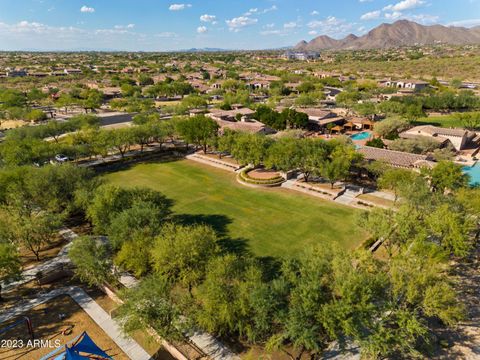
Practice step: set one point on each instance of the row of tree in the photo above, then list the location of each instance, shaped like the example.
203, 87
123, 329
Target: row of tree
331, 160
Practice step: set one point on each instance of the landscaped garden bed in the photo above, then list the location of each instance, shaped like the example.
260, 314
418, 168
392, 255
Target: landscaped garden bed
261, 177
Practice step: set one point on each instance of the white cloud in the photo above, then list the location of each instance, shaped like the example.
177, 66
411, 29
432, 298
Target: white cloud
208, 18
364, 1
393, 15
290, 25
331, 26
312, 32
404, 5
260, 11
120, 27
314, 13
271, 32
34, 35
424, 19
202, 29
371, 15
272, 8
87, 9
236, 24
179, 7
465, 23
166, 34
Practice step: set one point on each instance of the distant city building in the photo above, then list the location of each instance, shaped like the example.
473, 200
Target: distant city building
302, 56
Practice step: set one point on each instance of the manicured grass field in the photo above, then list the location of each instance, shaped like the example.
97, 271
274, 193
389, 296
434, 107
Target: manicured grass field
270, 222
446, 121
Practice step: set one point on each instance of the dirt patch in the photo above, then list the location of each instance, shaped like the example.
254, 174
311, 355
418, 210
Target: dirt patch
263, 174
49, 320
12, 124
324, 186
48, 252
376, 200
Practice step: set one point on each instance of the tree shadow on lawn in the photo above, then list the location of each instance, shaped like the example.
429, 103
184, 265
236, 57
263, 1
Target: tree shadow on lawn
123, 165
271, 266
219, 223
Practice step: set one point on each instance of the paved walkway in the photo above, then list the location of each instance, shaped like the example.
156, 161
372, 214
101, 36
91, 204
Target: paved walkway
61, 259
348, 198
129, 346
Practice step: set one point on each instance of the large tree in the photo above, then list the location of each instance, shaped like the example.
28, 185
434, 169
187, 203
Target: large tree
147, 216
109, 201
396, 179
182, 253
199, 130
150, 305
92, 262
121, 140
32, 229
251, 148
446, 175
338, 163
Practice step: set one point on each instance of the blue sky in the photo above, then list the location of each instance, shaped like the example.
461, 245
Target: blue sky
161, 25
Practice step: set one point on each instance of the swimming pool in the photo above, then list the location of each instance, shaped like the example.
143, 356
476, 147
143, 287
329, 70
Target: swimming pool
361, 136
474, 172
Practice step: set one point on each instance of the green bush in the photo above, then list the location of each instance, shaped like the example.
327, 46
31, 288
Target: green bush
246, 178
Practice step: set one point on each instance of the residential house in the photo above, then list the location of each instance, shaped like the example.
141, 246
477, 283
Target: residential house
231, 115
72, 71
396, 158
459, 138
11, 73
415, 85
321, 118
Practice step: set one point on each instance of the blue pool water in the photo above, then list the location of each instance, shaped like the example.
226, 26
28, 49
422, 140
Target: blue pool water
361, 136
474, 172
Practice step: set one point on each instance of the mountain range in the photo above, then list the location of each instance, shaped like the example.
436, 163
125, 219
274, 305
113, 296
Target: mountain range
400, 33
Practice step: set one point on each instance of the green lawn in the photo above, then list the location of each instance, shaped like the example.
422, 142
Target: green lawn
446, 121
270, 222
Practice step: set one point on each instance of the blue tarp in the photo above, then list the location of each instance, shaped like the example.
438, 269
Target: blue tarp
82, 344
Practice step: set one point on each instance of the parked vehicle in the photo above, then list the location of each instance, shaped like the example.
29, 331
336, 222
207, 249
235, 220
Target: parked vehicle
61, 158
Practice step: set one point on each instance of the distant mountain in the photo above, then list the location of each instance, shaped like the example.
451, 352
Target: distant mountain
204, 50
400, 33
